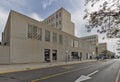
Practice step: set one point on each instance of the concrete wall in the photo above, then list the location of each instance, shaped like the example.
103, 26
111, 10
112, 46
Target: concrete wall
22, 49
68, 26
92, 40
102, 47
4, 55
6, 33
25, 50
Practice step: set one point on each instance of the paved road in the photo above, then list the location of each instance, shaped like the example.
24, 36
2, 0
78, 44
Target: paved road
95, 71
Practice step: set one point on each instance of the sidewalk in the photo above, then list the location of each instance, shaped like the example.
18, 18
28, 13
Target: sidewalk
22, 67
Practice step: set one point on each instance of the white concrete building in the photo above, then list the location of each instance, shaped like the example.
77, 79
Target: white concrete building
93, 41
61, 20
102, 47
26, 40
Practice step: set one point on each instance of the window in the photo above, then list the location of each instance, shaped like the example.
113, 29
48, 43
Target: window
39, 33
47, 35
56, 24
60, 39
60, 22
54, 54
72, 44
76, 44
56, 15
60, 14
30, 29
60, 28
47, 21
34, 32
74, 55
53, 18
54, 37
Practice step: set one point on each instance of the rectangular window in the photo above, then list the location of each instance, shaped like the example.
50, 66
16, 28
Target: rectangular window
76, 44
54, 37
47, 35
34, 32
30, 29
60, 39
56, 24
60, 22
49, 20
56, 15
74, 55
72, 44
60, 14
39, 33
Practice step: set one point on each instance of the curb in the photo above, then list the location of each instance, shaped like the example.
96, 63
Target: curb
46, 66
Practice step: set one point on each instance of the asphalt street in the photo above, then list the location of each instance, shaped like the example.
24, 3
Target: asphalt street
94, 71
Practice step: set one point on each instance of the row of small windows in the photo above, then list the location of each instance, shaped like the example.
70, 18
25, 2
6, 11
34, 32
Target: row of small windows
35, 32
54, 24
91, 39
74, 43
53, 18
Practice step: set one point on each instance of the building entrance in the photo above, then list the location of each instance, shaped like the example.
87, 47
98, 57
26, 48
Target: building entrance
54, 55
47, 55
74, 55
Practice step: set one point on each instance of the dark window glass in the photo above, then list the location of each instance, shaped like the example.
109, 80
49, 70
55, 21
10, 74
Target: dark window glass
60, 39
47, 35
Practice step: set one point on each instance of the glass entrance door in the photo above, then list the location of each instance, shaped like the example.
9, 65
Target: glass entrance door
54, 55
47, 55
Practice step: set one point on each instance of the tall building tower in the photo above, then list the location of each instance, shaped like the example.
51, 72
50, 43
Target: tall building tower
61, 20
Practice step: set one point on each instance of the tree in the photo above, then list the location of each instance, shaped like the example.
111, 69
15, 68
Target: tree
107, 54
106, 19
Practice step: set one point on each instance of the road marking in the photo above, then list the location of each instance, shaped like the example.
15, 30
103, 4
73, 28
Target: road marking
83, 77
92, 73
118, 75
58, 74
67, 67
22, 70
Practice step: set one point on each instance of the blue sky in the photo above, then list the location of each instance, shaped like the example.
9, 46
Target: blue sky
40, 9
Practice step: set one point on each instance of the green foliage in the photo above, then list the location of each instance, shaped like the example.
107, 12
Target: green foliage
105, 19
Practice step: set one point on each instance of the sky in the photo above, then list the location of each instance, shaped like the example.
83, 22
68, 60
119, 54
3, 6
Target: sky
41, 9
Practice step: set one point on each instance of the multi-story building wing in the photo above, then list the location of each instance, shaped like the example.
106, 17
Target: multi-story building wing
61, 20
26, 40
93, 41
102, 47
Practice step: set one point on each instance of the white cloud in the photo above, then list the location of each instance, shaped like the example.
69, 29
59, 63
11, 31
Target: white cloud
3, 19
4, 7
47, 3
13, 3
77, 18
36, 16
